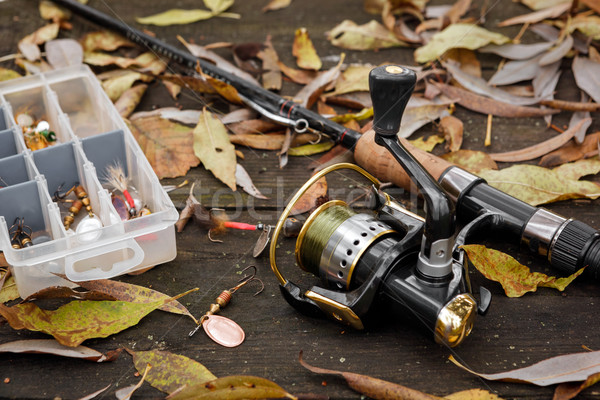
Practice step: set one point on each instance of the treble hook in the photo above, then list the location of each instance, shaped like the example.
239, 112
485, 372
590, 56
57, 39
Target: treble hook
60, 197
247, 279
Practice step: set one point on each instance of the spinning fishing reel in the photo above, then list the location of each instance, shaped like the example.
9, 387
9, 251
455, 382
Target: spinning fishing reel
391, 259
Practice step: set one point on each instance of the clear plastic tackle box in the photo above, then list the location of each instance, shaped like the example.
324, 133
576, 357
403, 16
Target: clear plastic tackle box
90, 137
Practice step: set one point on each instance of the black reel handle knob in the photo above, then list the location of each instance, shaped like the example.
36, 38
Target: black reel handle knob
391, 87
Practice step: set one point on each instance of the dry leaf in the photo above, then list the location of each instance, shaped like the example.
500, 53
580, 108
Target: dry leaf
589, 25
540, 149
168, 146
253, 126
227, 91
187, 117
417, 117
77, 321
6, 74
213, 148
51, 346
572, 151
170, 371
466, 59
488, 106
104, 40
370, 36
452, 129
96, 393
587, 76
136, 294
557, 53
363, 114
173, 89
372, 387
472, 394
312, 198
480, 86
130, 99
575, 367
62, 53
472, 161
176, 17
569, 390
536, 185
427, 144
271, 76
308, 95
354, 79
515, 278
457, 36
28, 46
52, 12
545, 81
517, 51
202, 52
243, 179
63, 292
531, 18
304, 51
9, 290
260, 142
276, 5
517, 71
310, 149
298, 76
115, 87
233, 387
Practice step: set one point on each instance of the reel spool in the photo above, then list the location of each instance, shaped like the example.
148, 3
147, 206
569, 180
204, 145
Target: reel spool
370, 261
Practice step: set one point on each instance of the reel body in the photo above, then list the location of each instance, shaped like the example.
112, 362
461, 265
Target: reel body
367, 262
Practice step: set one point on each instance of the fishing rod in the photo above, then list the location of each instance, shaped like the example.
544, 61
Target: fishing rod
566, 243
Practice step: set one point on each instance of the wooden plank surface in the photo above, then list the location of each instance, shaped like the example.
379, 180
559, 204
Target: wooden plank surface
515, 333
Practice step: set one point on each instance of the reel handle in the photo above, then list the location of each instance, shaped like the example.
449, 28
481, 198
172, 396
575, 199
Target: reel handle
391, 87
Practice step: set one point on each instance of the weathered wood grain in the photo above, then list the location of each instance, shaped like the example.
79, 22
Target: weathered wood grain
515, 333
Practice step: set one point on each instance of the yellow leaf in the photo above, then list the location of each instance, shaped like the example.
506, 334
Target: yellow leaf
369, 36
459, 35
537, 185
218, 6
304, 51
471, 160
354, 79
473, 394
233, 387
213, 148
103, 40
6, 74
176, 17
170, 371
515, 278
9, 291
310, 149
428, 144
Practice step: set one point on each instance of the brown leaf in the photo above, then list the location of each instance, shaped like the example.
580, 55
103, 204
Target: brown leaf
276, 5
219, 61
28, 46
569, 390
587, 76
572, 152
309, 93
271, 76
487, 106
537, 16
417, 117
371, 387
452, 129
197, 84
253, 126
136, 294
51, 346
188, 211
130, 99
260, 142
104, 40
540, 149
573, 367
467, 59
473, 161
168, 146
515, 278
458, 9
243, 179
304, 51
96, 393
173, 89
63, 292
298, 76
472, 394
557, 53
312, 198
126, 392
336, 155
227, 91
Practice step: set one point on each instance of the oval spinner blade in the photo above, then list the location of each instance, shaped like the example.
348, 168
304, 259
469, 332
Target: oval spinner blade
224, 331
